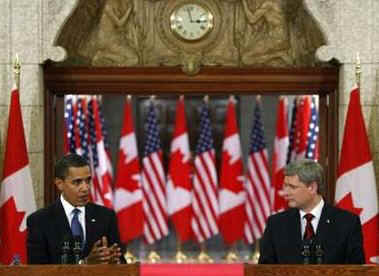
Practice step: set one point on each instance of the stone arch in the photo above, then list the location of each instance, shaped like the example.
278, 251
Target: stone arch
323, 12
57, 14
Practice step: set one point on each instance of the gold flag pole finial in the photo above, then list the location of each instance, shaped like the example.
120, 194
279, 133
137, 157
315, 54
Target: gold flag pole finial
17, 71
358, 71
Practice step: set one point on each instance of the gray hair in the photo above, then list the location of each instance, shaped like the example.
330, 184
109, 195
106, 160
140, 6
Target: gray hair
307, 171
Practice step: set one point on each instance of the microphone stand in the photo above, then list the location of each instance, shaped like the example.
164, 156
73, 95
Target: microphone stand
65, 252
319, 254
306, 252
77, 249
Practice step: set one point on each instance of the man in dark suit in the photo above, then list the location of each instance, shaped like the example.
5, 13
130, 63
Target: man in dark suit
73, 217
311, 230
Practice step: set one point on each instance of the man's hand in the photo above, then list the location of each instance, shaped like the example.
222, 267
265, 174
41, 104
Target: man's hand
102, 254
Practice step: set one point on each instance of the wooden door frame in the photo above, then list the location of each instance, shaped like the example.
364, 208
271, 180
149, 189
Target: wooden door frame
59, 81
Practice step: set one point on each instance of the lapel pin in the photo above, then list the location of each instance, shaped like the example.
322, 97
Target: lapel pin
93, 220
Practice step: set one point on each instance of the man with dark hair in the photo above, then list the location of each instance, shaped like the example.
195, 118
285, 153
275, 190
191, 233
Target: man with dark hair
311, 230
73, 219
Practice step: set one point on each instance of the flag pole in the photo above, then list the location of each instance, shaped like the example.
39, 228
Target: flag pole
17, 71
358, 71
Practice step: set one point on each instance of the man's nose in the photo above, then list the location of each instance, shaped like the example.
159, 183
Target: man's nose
84, 186
284, 191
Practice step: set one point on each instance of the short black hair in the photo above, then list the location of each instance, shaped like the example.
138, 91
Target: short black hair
68, 161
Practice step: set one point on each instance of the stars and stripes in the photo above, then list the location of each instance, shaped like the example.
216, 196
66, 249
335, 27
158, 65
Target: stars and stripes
312, 146
259, 192
153, 182
84, 136
205, 201
291, 146
69, 116
81, 126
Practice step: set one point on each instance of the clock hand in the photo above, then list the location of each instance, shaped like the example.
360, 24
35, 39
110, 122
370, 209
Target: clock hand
190, 15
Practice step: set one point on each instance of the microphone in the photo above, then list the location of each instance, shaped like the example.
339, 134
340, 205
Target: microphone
77, 249
306, 251
319, 254
65, 256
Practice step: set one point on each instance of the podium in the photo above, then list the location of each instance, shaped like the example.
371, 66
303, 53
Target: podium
188, 269
70, 270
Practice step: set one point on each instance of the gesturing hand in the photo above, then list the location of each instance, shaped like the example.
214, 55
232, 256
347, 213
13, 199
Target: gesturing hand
102, 254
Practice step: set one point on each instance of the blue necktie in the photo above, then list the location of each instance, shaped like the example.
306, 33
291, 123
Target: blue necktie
76, 227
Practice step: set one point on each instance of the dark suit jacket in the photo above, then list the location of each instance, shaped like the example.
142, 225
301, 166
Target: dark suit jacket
339, 233
48, 227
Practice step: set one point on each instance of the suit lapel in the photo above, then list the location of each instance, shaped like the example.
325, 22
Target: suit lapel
90, 229
60, 219
324, 223
295, 235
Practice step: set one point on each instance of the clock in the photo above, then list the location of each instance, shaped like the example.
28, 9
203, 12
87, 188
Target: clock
189, 27
191, 21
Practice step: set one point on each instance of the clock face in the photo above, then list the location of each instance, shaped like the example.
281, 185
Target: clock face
191, 22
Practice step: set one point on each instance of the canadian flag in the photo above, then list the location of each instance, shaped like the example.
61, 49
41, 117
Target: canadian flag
17, 195
179, 186
303, 116
356, 187
231, 193
101, 191
279, 157
128, 193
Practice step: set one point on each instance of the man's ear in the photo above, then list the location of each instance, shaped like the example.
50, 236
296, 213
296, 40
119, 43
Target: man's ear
314, 187
59, 183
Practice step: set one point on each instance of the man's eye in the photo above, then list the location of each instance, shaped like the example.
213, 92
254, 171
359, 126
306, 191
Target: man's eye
76, 182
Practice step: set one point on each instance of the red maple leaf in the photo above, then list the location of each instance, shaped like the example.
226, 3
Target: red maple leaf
180, 171
231, 174
347, 204
127, 175
12, 241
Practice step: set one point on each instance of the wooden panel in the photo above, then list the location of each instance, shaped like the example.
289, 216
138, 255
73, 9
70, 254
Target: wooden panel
171, 80
309, 270
69, 270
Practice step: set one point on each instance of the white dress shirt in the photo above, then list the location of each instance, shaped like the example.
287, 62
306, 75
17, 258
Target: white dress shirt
68, 209
316, 212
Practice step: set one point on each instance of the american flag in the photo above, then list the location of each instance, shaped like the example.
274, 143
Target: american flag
312, 146
104, 131
69, 116
153, 182
259, 192
84, 133
81, 126
291, 148
205, 201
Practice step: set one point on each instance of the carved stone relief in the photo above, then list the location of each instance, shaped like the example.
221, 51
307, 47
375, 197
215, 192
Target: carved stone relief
254, 33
